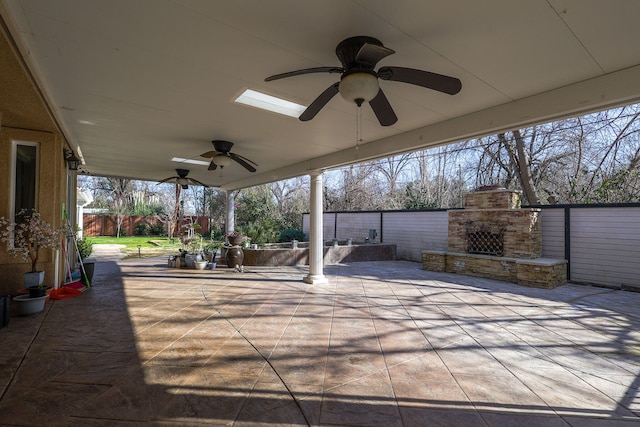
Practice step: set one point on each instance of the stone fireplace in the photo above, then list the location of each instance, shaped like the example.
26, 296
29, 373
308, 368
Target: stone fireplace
494, 237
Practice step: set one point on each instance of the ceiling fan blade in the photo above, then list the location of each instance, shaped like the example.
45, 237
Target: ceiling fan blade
383, 110
371, 53
195, 181
244, 158
439, 82
212, 166
319, 102
304, 71
246, 165
209, 154
168, 179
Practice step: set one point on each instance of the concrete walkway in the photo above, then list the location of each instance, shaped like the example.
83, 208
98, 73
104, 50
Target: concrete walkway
107, 252
382, 344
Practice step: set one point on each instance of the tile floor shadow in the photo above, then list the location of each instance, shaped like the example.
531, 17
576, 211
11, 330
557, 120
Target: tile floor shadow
381, 344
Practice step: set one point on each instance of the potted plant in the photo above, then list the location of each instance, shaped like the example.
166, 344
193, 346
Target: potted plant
211, 250
85, 247
37, 291
33, 302
192, 243
30, 305
201, 264
26, 237
235, 238
234, 255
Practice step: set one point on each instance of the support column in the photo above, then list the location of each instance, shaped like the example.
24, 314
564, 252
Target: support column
316, 255
231, 214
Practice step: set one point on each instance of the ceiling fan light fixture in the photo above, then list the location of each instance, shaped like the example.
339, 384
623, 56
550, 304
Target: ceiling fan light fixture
222, 160
359, 87
182, 181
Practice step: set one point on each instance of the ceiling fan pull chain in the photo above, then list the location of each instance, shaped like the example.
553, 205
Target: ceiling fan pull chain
358, 127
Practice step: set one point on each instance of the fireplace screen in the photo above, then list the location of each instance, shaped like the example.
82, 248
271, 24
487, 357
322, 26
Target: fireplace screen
486, 239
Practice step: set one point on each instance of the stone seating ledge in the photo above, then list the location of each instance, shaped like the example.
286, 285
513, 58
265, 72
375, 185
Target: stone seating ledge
536, 272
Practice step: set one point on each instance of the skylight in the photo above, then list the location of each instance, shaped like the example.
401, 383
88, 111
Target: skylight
270, 103
191, 161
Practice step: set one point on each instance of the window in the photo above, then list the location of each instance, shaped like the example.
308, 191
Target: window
25, 176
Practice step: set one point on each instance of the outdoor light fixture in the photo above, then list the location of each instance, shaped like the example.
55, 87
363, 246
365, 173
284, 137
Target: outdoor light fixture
359, 87
222, 160
72, 161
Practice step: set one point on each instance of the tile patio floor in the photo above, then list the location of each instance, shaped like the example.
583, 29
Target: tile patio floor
382, 344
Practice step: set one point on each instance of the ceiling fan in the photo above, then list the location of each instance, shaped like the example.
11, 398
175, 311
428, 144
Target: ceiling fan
182, 179
222, 156
359, 81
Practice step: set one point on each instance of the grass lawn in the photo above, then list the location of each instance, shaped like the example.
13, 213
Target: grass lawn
150, 246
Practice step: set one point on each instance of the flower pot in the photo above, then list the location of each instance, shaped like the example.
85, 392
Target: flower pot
89, 268
212, 266
27, 305
33, 278
234, 256
5, 311
37, 291
200, 265
190, 261
236, 240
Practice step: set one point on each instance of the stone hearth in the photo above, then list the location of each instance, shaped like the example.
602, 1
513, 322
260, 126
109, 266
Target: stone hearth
494, 237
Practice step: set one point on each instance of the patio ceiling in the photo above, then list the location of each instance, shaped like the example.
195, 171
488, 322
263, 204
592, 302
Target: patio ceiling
135, 83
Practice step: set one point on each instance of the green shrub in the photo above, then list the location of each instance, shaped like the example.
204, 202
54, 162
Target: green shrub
141, 229
258, 233
214, 234
291, 234
157, 229
85, 247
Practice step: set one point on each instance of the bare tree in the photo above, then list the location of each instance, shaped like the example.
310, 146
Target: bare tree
519, 163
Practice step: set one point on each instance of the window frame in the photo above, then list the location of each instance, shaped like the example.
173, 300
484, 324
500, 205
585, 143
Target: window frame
15, 143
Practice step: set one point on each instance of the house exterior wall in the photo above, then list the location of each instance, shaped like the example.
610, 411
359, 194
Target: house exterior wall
24, 117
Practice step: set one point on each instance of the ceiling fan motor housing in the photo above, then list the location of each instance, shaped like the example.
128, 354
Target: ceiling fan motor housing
182, 173
348, 49
222, 146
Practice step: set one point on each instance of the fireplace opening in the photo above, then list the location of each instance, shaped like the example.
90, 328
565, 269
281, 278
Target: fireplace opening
485, 239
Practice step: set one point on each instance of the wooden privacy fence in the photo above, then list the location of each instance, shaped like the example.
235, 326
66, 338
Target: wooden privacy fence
107, 225
600, 242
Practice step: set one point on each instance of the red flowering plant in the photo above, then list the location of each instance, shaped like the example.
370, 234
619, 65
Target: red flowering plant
28, 235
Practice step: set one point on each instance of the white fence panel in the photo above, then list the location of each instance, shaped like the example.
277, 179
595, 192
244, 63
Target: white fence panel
604, 241
605, 246
356, 226
414, 232
328, 226
553, 233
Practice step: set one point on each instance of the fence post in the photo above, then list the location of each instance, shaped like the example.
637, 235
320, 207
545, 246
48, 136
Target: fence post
567, 239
